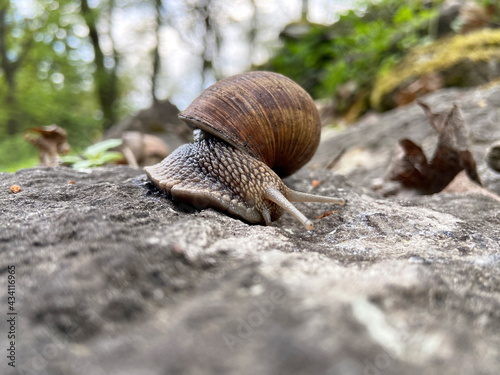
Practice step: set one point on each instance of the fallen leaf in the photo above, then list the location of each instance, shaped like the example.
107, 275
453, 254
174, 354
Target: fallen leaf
15, 189
463, 184
423, 85
315, 183
71, 182
411, 168
409, 165
51, 142
326, 214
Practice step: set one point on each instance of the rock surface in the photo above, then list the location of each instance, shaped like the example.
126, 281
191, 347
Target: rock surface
113, 278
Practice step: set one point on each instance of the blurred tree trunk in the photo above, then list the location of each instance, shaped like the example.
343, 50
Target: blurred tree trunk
156, 52
252, 33
305, 9
210, 43
105, 77
9, 70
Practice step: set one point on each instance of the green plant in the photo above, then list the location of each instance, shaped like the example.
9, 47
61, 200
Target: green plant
95, 155
356, 47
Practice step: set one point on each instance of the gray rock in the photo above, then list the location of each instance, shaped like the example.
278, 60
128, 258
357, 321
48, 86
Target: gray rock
114, 278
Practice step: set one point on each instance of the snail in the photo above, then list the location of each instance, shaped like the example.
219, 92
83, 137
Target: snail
250, 130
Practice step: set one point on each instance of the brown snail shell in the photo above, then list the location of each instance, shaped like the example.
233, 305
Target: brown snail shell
254, 126
264, 114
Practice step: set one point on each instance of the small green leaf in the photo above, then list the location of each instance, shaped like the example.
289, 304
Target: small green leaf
96, 149
71, 159
109, 157
403, 15
83, 164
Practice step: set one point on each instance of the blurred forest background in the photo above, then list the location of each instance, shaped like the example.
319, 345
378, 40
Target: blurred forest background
88, 65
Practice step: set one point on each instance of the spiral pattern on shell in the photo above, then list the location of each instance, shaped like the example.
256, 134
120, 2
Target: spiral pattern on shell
264, 114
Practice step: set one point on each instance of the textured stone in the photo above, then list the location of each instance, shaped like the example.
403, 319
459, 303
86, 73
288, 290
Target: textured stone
114, 278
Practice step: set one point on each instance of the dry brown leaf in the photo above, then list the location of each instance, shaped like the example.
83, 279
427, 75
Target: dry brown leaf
315, 183
15, 189
411, 169
51, 142
326, 214
463, 184
423, 85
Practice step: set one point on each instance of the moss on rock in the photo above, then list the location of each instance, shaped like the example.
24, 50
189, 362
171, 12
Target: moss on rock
439, 56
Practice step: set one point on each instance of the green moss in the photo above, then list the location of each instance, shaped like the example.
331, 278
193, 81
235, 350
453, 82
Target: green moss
481, 45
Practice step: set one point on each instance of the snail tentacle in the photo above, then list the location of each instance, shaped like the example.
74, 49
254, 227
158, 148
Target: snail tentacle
298, 196
278, 198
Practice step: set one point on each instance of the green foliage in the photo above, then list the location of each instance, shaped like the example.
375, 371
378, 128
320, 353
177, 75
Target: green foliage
16, 153
356, 47
48, 43
95, 155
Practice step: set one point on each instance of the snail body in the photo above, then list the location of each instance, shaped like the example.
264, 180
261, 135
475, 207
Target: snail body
250, 130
